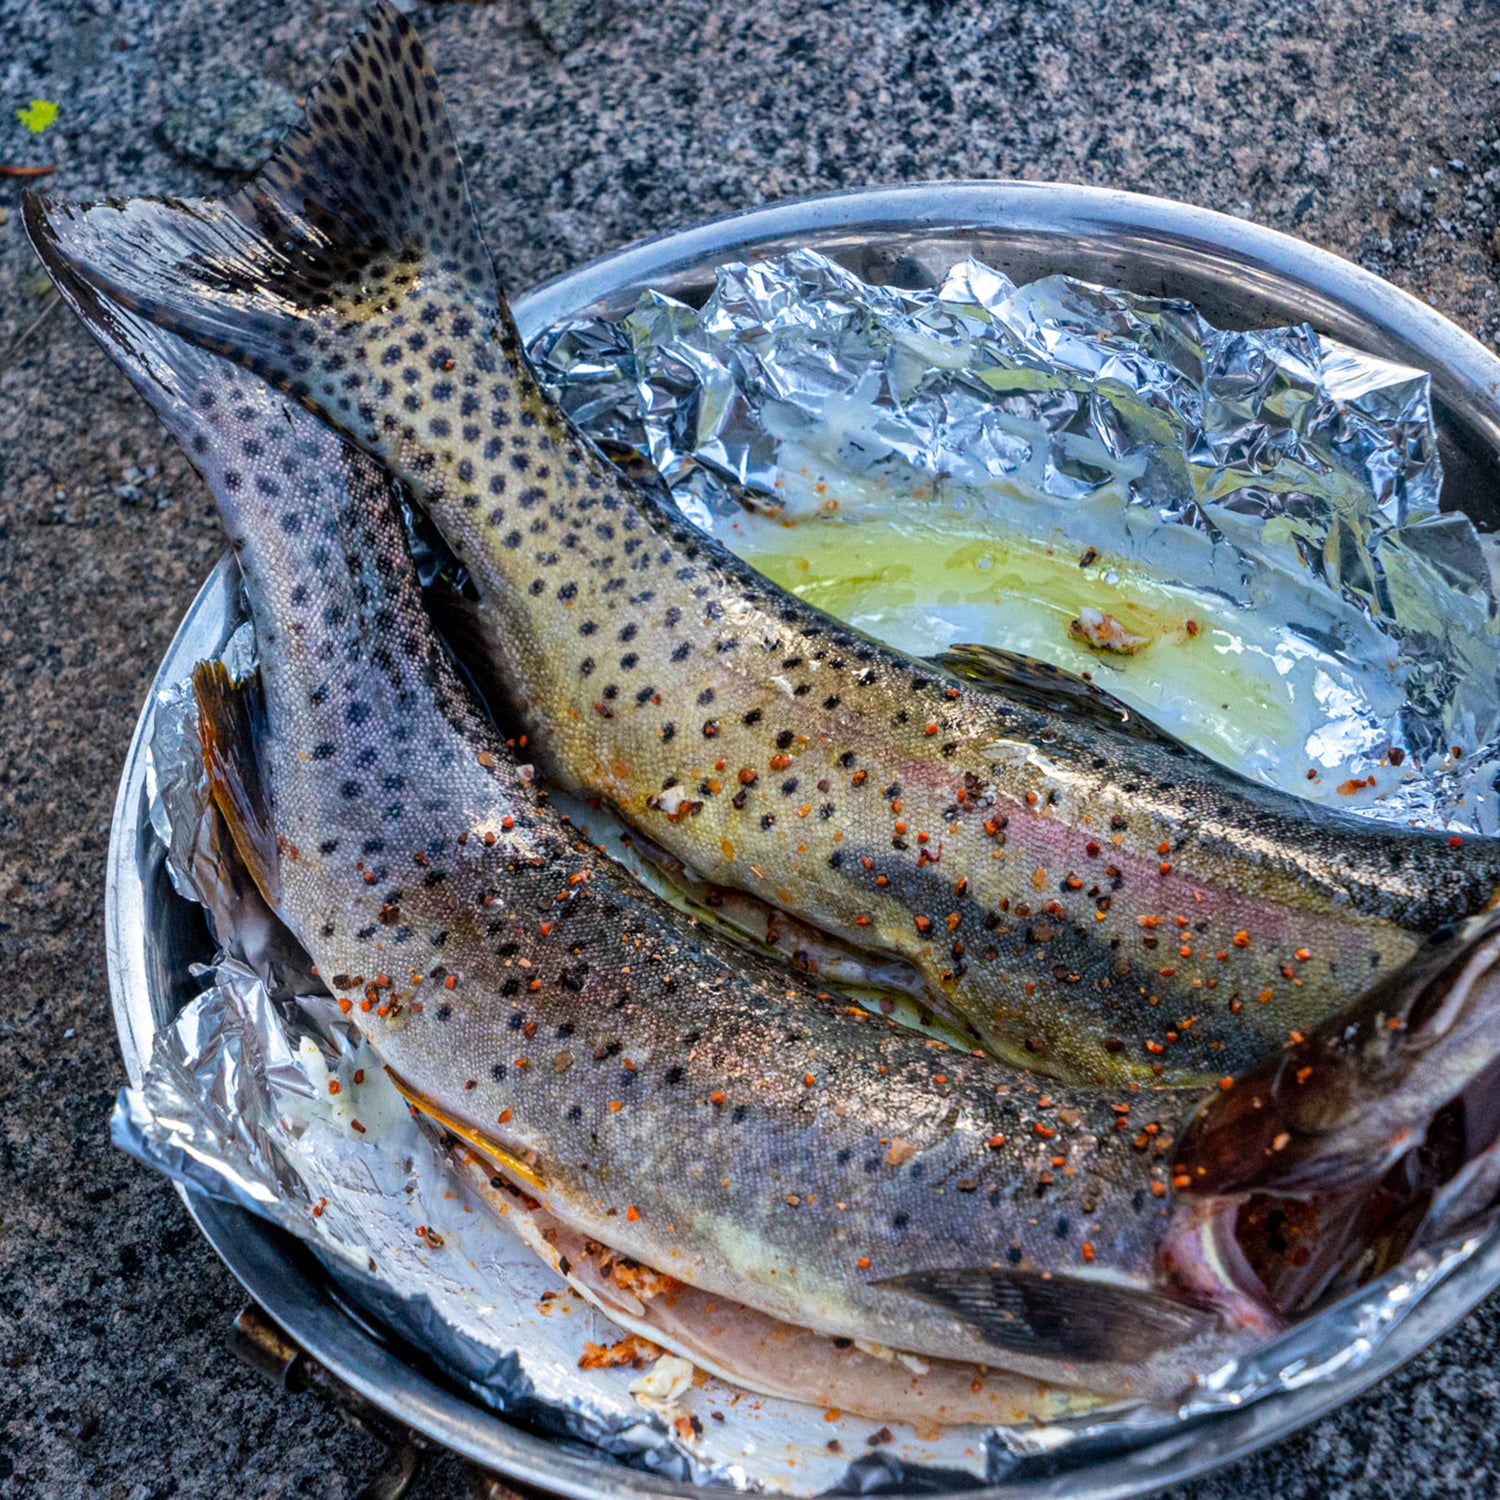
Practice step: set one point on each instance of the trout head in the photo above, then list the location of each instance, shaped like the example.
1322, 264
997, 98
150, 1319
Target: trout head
1374, 1134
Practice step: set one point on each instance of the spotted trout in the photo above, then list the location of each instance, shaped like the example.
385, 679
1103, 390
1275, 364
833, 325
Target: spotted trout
683, 1124
1086, 895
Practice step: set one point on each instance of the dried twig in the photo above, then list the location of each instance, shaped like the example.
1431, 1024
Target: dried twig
53, 303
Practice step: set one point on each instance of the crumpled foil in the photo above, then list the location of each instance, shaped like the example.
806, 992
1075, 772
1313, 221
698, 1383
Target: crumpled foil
235, 1104
1288, 483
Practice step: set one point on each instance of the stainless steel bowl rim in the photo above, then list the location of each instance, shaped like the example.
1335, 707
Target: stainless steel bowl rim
1053, 221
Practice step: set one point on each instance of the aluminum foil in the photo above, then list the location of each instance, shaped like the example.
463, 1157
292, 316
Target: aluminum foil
926, 456
235, 1103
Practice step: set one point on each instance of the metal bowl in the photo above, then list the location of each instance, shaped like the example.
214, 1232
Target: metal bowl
1240, 276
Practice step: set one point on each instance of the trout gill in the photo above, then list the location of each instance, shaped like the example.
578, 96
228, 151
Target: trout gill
1089, 897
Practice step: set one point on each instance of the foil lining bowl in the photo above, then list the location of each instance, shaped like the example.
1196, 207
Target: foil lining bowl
1239, 275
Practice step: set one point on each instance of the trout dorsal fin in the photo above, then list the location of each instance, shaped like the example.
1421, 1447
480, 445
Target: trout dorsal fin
1039, 685
231, 721
365, 194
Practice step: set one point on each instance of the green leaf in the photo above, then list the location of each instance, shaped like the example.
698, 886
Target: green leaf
37, 115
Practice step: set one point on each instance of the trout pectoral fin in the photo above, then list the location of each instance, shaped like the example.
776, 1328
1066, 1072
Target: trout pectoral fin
505, 1160
1057, 1316
1049, 689
230, 726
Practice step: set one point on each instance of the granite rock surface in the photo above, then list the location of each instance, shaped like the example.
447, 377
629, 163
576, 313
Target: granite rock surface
1371, 127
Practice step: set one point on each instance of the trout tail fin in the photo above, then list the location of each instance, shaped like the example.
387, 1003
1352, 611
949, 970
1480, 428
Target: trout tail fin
364, 200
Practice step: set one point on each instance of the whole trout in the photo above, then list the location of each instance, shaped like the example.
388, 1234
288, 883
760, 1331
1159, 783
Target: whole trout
1089, 897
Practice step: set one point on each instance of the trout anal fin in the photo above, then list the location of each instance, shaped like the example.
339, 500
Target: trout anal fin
231, 723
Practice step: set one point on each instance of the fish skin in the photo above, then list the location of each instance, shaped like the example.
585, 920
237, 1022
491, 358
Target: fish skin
1092, 904
692, 1106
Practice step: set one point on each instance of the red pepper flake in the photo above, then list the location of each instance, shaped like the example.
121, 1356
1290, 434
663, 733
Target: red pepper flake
616, 1105
504, 1116
1164, 868
1155, 1048
334, 1086
996, 1142
485, 759
1091, 849
861, 921
1045, 1131
345, 1004
1226, 1084
1182, 1182
451, 982
716, 1098
632, 1213
1164, 847
780, 762
808, 1080
991, 826
318, 1207
1086, 1250
355, 1125
1241, 939
1455, 842
863, 1262
953, 920
507, 822
1158, 1190
900, 828
747, 776
922, 836
860, 777
940, 1078
923, 924
929, 729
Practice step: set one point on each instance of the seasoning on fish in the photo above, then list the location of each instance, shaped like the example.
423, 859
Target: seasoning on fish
352, 274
